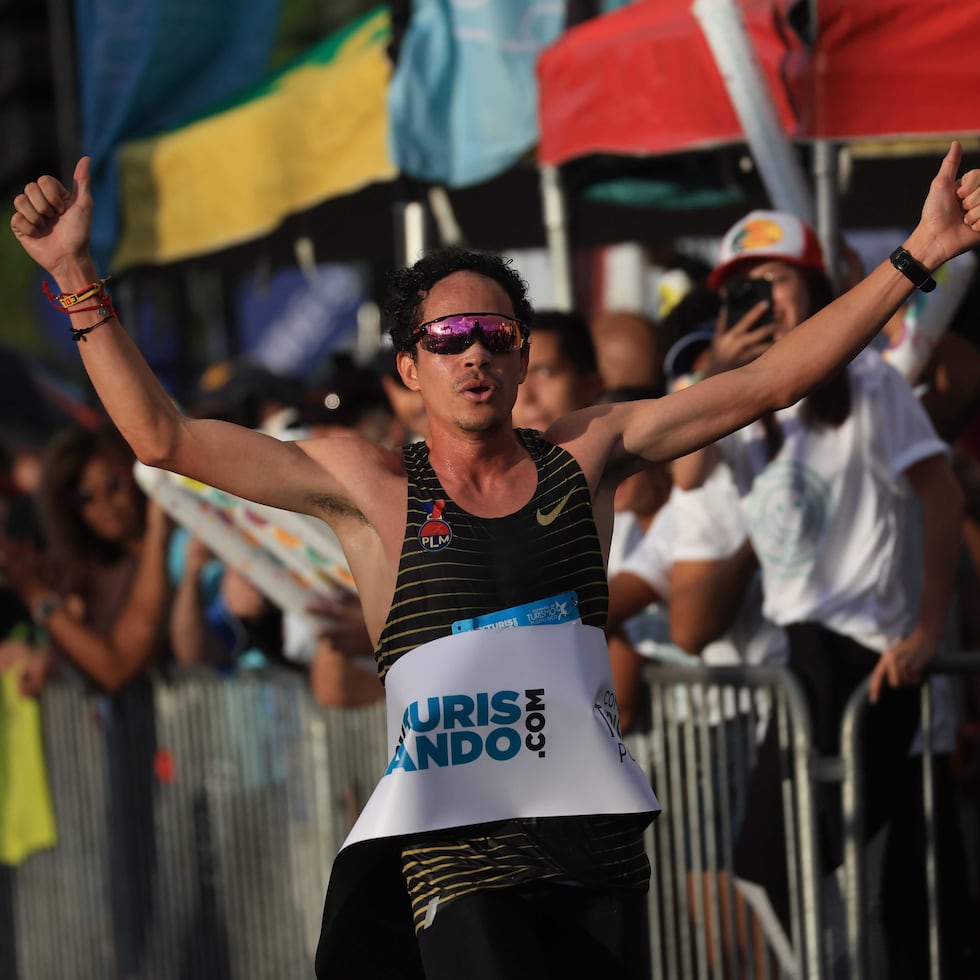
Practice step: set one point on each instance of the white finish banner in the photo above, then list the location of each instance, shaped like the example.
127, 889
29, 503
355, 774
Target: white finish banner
498, 724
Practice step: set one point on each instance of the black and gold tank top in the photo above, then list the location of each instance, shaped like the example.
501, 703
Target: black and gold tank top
457, 567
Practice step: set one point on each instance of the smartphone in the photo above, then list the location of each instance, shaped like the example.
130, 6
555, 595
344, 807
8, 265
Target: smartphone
741, 294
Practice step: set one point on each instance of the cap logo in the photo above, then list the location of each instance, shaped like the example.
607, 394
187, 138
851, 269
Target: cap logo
757, 233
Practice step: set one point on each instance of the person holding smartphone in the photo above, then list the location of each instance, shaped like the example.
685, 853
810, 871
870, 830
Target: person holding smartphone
849, 498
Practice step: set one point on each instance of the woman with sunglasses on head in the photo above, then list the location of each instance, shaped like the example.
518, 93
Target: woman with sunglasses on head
506, 772
103, 602
107, 613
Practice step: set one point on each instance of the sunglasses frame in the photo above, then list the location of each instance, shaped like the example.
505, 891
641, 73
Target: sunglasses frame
421, 332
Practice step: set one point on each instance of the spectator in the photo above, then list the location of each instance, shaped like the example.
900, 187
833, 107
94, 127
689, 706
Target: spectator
823, 487
249, 394
107, 610
628, 348
219, 618
562, 374
406, 405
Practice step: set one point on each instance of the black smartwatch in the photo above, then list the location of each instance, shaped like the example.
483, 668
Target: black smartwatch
912, 270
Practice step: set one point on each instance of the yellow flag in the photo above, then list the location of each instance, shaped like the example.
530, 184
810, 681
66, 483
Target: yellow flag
26, 815
316, 130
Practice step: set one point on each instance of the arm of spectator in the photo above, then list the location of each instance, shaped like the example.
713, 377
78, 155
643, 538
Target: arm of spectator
113, 658
705, 597
941, 498
627, 669
691, 471
628, 595
340, 620
33, 664
37, 668
191, 638
339, 682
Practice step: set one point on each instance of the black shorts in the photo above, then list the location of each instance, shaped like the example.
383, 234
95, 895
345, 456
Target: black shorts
538, 930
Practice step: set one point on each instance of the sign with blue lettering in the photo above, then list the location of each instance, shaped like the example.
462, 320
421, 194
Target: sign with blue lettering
484, 728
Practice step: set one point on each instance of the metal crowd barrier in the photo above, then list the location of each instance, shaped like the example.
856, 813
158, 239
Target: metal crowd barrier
197, 820
198, 817
705, 727
860, 926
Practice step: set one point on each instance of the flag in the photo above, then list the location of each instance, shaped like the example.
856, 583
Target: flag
147, 65
312, 131
463, 97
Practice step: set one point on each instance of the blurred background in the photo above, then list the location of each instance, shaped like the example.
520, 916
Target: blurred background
259, 165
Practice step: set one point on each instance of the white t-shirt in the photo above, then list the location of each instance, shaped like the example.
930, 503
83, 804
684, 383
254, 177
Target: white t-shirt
648, 631
828, 516
706, 525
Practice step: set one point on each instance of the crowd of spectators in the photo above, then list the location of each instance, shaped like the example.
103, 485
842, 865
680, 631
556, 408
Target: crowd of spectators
98, 579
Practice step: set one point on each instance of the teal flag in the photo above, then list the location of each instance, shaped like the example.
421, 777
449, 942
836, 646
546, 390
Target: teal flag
146, 66
463, 100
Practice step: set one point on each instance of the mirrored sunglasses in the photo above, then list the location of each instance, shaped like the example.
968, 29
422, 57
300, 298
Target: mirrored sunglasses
454, 333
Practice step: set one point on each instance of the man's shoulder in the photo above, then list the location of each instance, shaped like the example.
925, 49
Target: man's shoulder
338, 452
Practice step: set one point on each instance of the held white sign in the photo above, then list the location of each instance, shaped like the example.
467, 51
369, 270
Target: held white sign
493, 725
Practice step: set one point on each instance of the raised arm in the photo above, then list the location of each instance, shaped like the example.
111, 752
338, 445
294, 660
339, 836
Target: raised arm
687, 420
53, 225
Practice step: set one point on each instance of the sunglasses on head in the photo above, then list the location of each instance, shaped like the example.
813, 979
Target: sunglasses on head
454, 333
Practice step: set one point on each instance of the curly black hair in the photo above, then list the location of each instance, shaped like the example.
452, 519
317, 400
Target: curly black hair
407, 288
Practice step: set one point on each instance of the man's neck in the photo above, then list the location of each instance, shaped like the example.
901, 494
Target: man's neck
489, 474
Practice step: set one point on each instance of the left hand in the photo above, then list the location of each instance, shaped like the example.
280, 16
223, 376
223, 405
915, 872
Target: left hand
951, 212
38, 667
902, 665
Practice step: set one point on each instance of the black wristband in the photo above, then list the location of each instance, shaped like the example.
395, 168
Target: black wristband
912, 270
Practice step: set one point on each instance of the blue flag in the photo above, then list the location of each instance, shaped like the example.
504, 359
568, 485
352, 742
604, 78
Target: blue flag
463, 100
146, 66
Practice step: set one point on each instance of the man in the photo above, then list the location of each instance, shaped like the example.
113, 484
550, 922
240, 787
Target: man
461, 332
562, 375
629, 350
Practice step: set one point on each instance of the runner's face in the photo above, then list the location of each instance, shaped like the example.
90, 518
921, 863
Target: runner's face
475, 390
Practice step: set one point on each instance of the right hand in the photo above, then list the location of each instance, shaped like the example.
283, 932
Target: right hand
742, 343
53, 224
340, 619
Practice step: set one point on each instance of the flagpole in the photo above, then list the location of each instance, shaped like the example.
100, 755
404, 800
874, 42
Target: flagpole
556, 228
784, 178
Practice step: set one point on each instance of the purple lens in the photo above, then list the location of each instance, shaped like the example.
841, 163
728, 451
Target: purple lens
454, 334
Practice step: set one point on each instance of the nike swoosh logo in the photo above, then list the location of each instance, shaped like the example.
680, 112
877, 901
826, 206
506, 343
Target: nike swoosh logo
545, 519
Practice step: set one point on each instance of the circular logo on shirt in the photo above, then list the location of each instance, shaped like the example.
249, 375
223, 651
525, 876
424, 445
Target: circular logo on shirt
788, 514
435, 533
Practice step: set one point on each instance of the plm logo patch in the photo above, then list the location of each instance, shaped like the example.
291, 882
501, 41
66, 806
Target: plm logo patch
435, 533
